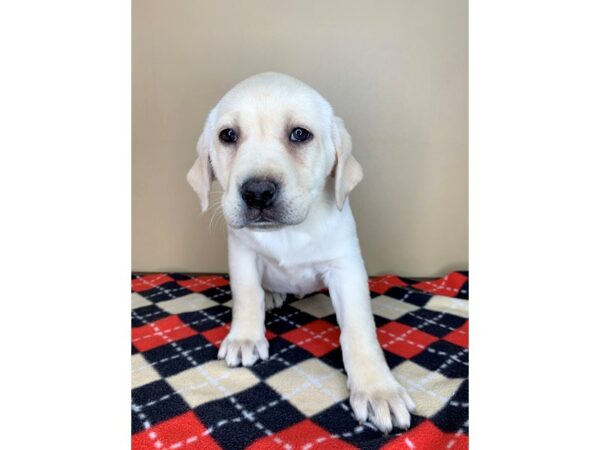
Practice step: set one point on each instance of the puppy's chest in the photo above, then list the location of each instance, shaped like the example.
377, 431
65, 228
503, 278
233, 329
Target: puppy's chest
292, 266
298, 279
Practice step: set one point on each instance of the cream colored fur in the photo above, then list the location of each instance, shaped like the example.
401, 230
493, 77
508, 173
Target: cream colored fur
318, 247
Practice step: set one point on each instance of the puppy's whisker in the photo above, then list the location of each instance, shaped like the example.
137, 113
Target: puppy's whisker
217, 215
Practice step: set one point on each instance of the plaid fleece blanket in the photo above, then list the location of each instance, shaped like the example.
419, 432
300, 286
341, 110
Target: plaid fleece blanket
184, 398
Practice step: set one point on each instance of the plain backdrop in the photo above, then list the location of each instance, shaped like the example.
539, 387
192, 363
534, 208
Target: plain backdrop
395, 71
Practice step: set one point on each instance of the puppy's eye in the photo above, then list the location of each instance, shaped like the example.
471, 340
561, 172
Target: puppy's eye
300, 135
228, 136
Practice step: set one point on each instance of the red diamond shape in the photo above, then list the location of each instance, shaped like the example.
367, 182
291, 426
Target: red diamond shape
449, 286
427, 436
403, 340
160, 333
318, 337
300, 436
184, 431
460, 336
382, 284
216, 335
149, 282
203, 283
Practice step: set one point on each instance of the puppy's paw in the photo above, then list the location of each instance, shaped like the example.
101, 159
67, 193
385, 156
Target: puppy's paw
384, 403
273, 300
236, 349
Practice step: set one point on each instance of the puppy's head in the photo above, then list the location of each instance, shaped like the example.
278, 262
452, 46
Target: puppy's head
271, 142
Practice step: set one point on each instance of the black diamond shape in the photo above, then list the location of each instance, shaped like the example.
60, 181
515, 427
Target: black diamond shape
157, 401
220, 294
408, 295
449, 359
392, 359
207, 319
455, 413
333, 358
166, 291
277, 414
282, 355
286, 318
433, 322
146, 314
234, 429
169, 360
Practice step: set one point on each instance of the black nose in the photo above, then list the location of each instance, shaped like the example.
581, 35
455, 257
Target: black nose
259, 194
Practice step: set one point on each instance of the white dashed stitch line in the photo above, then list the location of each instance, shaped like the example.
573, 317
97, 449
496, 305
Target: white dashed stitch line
412, 385
342, 404
459, 331
197, 283
446, 363
416, 344
417, 386
148, 280
170, 358
433, 284
154, 313
146, 423
195, 322
164, 291
456, 435
223, 290
260, 409
302, 327
418, 327
442, 286
194, 387
303, 341
414, 313
359, 429
271, 322
316, 382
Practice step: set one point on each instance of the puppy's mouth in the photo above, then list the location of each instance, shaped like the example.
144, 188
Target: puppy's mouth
265, 226
263, 220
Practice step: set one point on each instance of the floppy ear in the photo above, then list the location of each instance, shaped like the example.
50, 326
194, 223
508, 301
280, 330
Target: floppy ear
200, 176
348, 171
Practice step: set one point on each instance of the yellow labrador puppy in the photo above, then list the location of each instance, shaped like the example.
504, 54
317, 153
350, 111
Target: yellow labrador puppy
284, 161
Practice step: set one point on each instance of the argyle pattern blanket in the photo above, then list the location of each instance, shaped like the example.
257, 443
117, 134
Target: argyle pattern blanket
184, 398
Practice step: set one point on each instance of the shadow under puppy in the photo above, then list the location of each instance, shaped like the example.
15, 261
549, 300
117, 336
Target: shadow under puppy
285, 164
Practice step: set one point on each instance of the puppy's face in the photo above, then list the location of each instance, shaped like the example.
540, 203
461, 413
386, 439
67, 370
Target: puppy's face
271, 144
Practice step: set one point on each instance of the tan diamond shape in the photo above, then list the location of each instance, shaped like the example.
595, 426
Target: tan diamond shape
141, 372
187, 303
429, 390
456, 306
211, 381
318, 305
137, 301
310, 386
391, 308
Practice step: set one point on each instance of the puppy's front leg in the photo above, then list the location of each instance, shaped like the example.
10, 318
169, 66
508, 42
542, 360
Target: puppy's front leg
246, 339
374, 392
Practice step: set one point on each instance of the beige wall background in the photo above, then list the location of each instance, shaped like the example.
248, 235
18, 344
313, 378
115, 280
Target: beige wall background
395, 71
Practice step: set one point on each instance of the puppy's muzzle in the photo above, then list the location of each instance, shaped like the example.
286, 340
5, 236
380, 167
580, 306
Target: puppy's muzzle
259, 194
